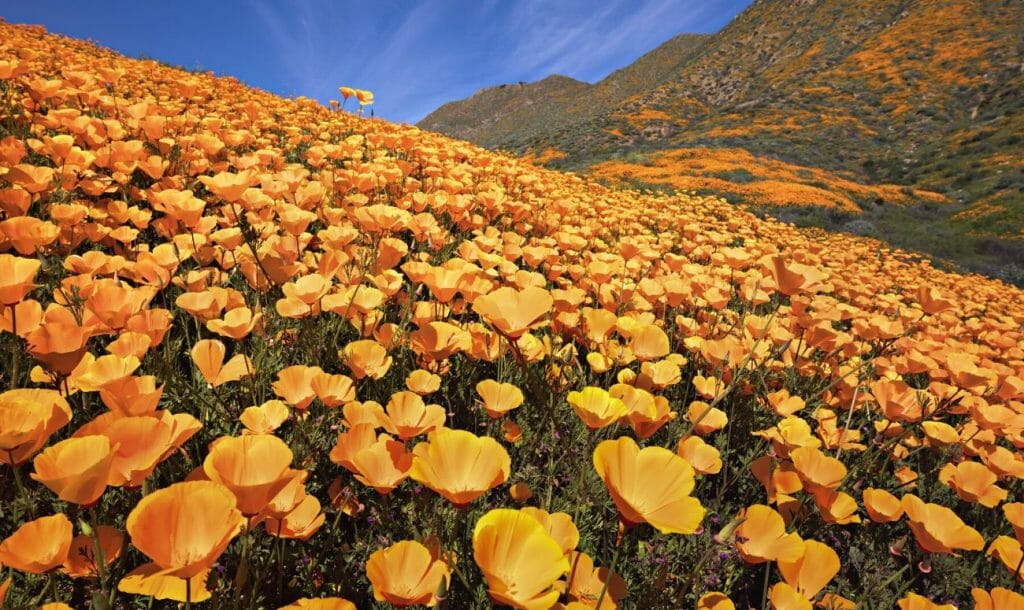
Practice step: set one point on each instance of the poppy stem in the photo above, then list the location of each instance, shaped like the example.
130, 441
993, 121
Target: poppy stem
764, 589
21, 485
17, 360
47, 586
97, 549
280, 558
611, 568
188, 594
882, 586
242, 574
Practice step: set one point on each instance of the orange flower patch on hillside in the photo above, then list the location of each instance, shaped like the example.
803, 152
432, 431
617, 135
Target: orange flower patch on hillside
543, 157
756, 180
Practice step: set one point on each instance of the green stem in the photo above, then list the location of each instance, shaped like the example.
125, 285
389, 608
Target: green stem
611, 570
280, 558
16, 356
242, 574
764, 589
21, 485
97, 549
47, 586
882, 586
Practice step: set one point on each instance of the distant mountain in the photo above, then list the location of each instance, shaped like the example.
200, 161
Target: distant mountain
509, 114
845, 104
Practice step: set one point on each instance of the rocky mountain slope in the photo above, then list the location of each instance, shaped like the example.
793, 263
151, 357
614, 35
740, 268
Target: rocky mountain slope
915, 103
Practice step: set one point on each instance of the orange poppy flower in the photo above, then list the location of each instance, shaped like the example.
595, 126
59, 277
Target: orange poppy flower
937, 529
520, 561
265, 418
1004, 548
151, 581
650, 485
649, 342
783, 404
406, 574
973, 482
38, 546
82, 562
76, 469
997, 599
28, 234
254, 467
93, 374
28, 315
142, 442
16, 278
586, 581
294, 385
596, 407
333, 390
380, 218
360, 436
324, 603
368, 412
899, 402
659, 375
423, 382
460, 465
229, 186
436, 341
882, 506
130, 343
913, 601
558, 525
60, 341
382, 465
520, 492
513, 312
300, 523
511, 431
366, 358
182, 206
207, 512
208, 356
813, 570
793, 278
762, 537
28, 417
408, 416
499, 398
704, 458
715, 601
1014, 513
708, 387
705, 418
816, 470
132, 395
236, 324
443, 283
302, 297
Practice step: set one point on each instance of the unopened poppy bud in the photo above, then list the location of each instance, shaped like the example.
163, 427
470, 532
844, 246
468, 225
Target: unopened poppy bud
442, 590
85, 527
725, 534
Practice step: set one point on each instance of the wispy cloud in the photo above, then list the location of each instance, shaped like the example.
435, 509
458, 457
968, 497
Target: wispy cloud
416, 55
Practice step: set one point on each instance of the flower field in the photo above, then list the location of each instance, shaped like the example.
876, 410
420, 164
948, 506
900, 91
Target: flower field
261, 353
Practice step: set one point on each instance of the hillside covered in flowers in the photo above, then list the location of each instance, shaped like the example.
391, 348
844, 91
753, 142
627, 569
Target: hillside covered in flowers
261, 353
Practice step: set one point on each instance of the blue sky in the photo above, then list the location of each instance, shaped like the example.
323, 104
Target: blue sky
413, 54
